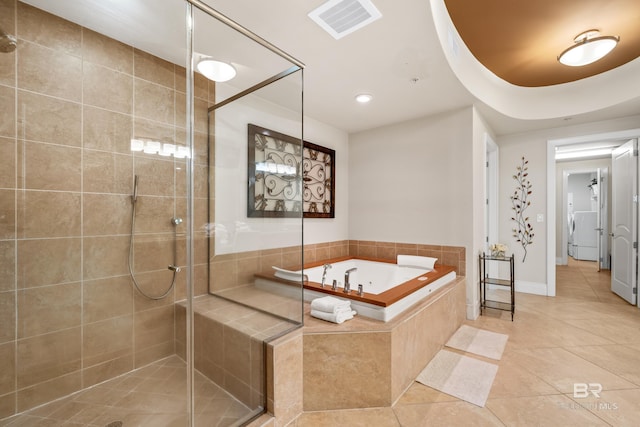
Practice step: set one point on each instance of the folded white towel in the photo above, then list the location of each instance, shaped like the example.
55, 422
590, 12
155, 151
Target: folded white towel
330, 304
335, 318
416, 261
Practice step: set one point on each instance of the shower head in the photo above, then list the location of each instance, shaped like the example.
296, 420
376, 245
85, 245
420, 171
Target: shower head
8, 43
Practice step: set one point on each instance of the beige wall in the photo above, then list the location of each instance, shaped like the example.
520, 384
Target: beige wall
70, 101
414, 182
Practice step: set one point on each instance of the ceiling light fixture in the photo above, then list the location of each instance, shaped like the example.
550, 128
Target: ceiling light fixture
589, 47
215, 70
363, 98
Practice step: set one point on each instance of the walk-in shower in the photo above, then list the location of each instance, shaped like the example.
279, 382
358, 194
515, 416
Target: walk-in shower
84, 215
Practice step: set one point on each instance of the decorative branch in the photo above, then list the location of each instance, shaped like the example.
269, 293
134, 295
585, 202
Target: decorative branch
523, 232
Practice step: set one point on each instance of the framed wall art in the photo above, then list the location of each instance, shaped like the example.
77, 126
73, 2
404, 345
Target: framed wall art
288, 178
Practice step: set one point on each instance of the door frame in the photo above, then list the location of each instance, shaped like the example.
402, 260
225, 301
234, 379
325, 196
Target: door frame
551, 190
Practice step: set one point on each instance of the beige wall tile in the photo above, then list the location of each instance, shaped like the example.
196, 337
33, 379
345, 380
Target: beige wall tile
7, 162
8, 371
7, 214
105, 51
237, 354
8, 68
105, 256
153, 101
155, 177
46, 119
106, 214
107, 340
7, 111
8, 261
156, 284
154, 69
223, 275
52, 167
153, 327
44, 214
107, 172
49, 308
50, 72
107, 130
107, 298
201, 116
154, 214
106, 88
7, 316
7, 405
48, 261
7, 16
154, 130
363, 358
38, 26
48, 356
47, 391
153, 252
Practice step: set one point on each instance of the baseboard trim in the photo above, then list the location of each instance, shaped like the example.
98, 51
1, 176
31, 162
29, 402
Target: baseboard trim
535, 288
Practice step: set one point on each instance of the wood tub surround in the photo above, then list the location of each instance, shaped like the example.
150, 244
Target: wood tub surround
383, 299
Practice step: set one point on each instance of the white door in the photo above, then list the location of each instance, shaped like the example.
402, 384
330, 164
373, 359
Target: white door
597, 194
603, 193
624, 217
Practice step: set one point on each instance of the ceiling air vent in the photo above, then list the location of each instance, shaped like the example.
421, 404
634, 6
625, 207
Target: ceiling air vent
342, 17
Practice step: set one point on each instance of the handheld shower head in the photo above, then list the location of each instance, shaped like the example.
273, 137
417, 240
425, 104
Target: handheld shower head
134, 197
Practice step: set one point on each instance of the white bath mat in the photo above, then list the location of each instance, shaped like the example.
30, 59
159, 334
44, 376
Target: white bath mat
460, 376
478, 341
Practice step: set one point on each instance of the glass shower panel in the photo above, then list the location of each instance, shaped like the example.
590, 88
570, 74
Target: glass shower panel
234, 316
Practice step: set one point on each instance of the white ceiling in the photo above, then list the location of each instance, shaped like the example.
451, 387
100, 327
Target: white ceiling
397, 58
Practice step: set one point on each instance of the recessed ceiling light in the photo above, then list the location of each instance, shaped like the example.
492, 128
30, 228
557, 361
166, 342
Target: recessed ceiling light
217, 71
363, 98
588, 48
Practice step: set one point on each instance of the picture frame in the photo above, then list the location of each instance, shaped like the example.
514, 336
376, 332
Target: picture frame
288, 177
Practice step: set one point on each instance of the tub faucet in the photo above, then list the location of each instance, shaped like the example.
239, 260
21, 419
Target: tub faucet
347, 285
324, 273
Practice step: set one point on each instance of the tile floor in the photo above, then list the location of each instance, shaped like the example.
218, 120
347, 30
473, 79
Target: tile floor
586, 334
153, 396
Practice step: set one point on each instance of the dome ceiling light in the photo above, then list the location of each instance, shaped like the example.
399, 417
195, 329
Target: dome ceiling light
215, 70
588, 48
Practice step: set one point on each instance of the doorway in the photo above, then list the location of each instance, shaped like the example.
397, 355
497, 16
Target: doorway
553, 205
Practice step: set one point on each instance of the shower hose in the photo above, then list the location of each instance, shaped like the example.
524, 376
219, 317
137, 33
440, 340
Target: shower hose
174, 268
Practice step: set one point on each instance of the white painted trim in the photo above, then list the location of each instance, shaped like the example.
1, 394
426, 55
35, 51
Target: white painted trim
535, 288
559, 261
551, 191
473, 310
491, 211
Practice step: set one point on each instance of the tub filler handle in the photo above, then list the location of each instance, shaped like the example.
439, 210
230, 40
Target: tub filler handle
334, 285
360, 290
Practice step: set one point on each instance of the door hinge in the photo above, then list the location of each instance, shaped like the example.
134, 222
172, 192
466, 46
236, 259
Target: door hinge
635, 291
487, 164
635, 152
635, 245
635, 198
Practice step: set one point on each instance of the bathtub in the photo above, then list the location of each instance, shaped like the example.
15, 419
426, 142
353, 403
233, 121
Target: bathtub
389, 289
